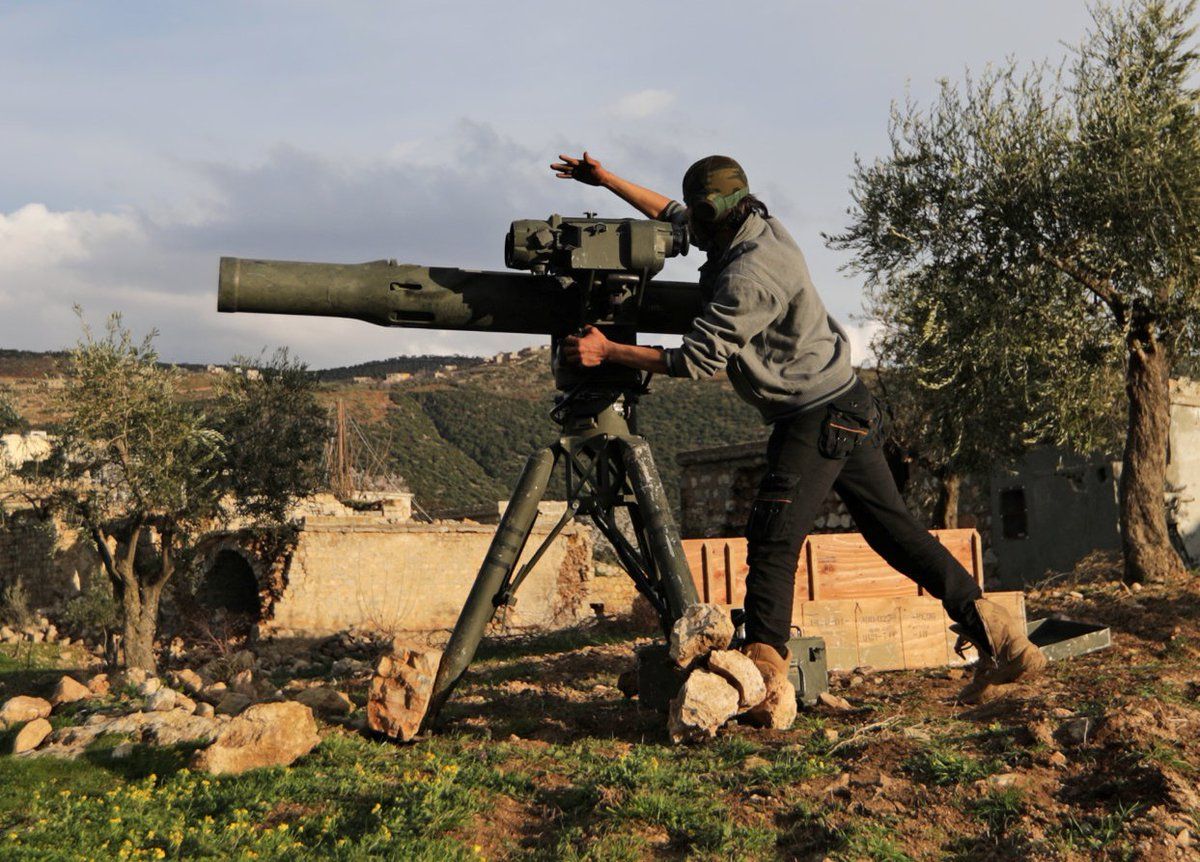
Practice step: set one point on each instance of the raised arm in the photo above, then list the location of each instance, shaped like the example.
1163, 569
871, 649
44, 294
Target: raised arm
590, 172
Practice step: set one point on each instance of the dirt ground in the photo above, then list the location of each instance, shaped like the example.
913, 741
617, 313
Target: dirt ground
1100, 760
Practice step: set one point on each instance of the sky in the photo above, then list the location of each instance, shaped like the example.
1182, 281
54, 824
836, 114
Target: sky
142, 141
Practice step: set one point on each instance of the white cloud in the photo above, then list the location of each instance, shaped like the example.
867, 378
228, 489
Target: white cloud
34, 236
642, 104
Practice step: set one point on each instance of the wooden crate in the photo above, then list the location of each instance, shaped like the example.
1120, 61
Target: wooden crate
831, 566
889, 634
868, 613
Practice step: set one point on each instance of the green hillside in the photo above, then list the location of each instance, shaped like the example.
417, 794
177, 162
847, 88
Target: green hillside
476, 427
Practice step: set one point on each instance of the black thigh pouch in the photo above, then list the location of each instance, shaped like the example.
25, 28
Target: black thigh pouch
850, 421
768, 513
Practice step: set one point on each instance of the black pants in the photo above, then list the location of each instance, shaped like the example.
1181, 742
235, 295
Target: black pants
839, 447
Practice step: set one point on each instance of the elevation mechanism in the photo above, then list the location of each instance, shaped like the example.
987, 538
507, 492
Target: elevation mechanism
580, 271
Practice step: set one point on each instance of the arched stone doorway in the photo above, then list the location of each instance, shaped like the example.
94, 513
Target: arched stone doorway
230, 585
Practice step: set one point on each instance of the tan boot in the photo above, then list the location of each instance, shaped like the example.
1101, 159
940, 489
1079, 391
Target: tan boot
778, 709
974, 691
1015, 658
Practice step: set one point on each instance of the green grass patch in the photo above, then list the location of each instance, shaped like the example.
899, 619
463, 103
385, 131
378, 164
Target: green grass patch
941, 765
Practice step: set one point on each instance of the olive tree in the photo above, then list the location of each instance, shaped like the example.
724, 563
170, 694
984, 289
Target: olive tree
147, 470
1077, 192
141, 468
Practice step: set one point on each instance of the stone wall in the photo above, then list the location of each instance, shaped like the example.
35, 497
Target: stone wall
717, 487
372, 574
49, 559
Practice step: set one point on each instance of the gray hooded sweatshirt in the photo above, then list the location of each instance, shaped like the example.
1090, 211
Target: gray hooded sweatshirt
765, 324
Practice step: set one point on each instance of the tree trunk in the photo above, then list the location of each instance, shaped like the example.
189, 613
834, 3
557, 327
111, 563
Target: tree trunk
945, 510
1144, 539
141, 623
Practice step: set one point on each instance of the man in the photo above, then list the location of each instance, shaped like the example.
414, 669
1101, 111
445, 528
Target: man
765, 324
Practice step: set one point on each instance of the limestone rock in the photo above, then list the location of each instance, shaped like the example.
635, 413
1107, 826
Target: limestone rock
243, 683
69, 690
22, 708
777, 710
185, 703
266, 734
702, 629
706, 701
740, 671
151, 728
832, 701
400, 690
214, 693
233, 703
658, 677
324, 700
99, 685
188, 680
162, 700
204, 710
31, 735
149, 686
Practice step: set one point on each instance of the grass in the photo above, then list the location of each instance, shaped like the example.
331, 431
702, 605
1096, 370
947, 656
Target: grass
941, 765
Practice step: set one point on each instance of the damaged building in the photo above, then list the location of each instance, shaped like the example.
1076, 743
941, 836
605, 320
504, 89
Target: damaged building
378, 569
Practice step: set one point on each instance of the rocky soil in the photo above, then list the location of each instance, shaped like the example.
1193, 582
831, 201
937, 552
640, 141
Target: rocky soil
1100, 760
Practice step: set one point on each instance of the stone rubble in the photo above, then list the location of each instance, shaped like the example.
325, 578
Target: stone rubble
31, 735
740, 672
706, 701
69, 690
778, 708
702, 629
23, 708
266, 734
401, 689
324, 700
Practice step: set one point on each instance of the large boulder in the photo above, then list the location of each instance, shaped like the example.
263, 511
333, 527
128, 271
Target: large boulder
266, 734
401, 689
69, 690
324, 700
702, 629
742, 674
777, 710
706, 701
31, 735
150, 728
23, 708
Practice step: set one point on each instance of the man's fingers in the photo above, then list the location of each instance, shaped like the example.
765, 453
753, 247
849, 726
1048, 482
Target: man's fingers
568, 159
589, 329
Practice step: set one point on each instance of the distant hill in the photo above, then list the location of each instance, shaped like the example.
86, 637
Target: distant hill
494, 416
459, 437
397, 364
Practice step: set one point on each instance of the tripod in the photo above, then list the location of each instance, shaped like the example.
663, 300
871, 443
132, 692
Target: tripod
607, 467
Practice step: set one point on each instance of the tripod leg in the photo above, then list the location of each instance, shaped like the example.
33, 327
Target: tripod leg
502, 556
661, 533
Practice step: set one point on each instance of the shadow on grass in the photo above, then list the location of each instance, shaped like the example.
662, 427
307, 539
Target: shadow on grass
598, 633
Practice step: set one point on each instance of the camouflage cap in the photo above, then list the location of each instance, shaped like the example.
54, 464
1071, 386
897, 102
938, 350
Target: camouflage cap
719, 175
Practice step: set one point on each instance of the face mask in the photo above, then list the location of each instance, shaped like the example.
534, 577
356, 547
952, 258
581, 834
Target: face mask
700, 230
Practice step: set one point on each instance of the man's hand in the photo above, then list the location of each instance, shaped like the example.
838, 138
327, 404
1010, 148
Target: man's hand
586, 170
589, 349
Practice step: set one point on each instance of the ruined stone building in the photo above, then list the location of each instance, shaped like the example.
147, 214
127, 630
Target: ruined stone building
1042, 513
